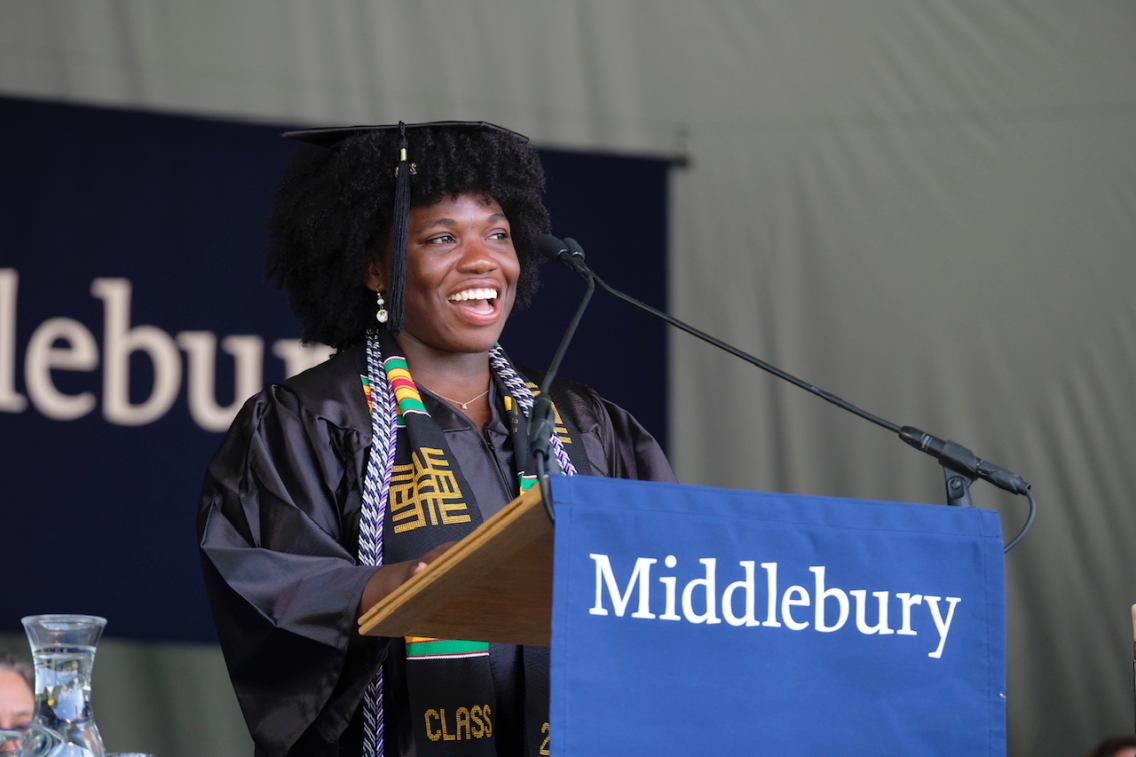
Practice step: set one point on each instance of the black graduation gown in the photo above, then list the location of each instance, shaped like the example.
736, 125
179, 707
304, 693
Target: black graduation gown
278, 534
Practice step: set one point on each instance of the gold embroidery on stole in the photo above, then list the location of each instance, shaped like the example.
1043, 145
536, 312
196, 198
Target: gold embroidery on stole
425, 492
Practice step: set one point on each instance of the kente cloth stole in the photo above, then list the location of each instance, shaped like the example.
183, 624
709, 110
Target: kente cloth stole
415, 498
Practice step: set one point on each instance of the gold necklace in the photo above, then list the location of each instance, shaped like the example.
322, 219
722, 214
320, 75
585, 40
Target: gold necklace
464, 405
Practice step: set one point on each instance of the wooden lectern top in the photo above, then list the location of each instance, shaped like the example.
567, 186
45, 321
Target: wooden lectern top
494, 585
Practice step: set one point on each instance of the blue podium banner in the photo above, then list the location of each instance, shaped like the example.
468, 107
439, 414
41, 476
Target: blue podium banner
693, 620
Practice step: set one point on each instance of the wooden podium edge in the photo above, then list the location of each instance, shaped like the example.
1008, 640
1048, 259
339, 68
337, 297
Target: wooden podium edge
493, 585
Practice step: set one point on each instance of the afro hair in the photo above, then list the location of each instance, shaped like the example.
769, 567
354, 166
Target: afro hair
334, 211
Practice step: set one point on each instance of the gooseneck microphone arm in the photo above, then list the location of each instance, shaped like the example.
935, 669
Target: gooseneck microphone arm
541, 426
961, 467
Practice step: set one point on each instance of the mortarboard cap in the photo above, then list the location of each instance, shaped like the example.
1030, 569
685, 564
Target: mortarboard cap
329, 137
403, 170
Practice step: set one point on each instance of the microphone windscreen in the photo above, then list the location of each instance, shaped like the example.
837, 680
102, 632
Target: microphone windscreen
574, 248
551, 247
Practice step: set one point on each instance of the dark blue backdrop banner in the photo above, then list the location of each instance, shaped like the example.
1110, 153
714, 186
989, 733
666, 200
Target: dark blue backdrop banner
692, 620
135, 318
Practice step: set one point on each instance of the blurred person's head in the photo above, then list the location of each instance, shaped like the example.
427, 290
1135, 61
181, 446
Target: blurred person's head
17, 697
1116, 746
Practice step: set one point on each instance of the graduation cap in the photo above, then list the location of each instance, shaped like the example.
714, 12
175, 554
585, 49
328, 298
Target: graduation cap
331, 137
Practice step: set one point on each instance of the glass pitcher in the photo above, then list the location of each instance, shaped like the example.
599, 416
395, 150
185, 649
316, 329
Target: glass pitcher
63, 649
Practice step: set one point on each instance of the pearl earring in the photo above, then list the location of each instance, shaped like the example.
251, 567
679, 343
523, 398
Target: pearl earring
382, 315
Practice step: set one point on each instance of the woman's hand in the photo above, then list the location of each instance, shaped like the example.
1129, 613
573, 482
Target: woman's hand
389, 577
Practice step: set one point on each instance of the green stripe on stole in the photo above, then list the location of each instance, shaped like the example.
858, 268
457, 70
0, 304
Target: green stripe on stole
445, 647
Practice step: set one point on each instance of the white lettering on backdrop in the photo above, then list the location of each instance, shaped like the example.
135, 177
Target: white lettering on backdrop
65, 344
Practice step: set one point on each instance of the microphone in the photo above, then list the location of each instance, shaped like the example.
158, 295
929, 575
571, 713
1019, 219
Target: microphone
565, 251
953, 457
576, 257
959, 458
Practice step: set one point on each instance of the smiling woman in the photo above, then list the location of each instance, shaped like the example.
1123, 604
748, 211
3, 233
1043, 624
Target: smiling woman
461, 283
406, 248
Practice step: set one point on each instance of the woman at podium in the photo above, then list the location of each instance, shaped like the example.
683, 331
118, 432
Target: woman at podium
406, 248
